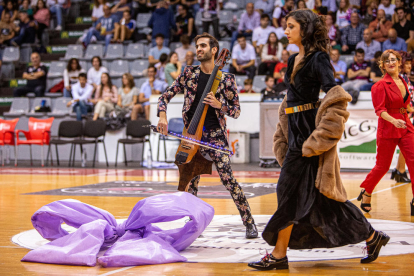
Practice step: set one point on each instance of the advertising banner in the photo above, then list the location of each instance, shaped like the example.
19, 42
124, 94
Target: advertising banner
358, 148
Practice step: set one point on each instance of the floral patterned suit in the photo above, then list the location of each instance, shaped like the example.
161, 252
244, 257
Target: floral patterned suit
226, 93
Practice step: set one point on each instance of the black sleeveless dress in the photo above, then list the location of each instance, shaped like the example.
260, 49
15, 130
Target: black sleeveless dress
319, 222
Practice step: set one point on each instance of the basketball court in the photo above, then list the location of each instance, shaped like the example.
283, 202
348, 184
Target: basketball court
222, 248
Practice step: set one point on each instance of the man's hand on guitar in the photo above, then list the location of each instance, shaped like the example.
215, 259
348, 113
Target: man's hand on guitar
211, 100
162, 126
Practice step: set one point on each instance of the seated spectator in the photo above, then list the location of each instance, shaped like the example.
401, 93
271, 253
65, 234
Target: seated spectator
269, 91
281, 87
333, 32
125, 28
343, 14
401, 4
369, 46
128, 93
339, 66
81, 96
394, 42
182, 51
371, 11
151, 87
7, 29
247, 86
319, 8
261, 33
185, 23
36, 78
173, 68
27, 8
26, 31
209, 15
358, 75
283, 63
271, 54
189, 60
281, 12
95, 72
380, 27
106, 96
56, 7
404, 27
194, 5
352, 34
162, 21
97, 11
156, 51
160, 66
243, 58
10, 7
387, 7
42, 17
301, 4
104, 29
249, 21
280, 32
70, 76
375, 74
121, 7
267, 6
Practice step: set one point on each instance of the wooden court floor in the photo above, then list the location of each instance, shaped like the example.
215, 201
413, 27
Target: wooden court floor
16, 207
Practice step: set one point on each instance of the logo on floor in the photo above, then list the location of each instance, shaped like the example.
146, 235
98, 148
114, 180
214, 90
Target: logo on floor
151, 188
223, 242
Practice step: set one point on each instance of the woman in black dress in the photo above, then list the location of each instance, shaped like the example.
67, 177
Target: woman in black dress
305, 218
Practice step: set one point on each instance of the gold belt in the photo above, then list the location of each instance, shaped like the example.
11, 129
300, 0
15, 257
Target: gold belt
303, 107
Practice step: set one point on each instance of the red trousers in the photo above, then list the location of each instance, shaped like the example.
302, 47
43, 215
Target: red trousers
385, 152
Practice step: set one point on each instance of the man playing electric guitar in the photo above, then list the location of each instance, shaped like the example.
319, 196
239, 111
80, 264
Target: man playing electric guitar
225, 102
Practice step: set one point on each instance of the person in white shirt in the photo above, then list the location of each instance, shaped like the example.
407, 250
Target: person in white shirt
95, 72
182, 51
387, 7
281, 12
260, 34
243, 58
70, 76
81, 95
97, 10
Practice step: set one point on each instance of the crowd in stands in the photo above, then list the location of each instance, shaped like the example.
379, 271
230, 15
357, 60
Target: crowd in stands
257, 42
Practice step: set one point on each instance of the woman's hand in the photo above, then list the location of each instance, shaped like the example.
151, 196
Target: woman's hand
398, 123
211, 100
162, 126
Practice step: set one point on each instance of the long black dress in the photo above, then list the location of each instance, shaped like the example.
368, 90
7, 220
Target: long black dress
318, 221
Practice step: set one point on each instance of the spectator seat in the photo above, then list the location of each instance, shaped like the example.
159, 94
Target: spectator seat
226, 17
134, 51
56, 69
137, 67
93, 50
259, 83
115, 51
11, 54
139, 82
142, 20
118, 68
60, 109
37, 102
74, 51
18, 107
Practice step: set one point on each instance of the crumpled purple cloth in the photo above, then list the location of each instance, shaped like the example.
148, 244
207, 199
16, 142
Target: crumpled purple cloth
135, 241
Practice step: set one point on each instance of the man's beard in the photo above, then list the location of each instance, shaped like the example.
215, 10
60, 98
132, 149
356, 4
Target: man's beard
206, 57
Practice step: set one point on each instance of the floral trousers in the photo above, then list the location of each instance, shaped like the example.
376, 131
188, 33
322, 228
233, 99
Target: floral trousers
222, 163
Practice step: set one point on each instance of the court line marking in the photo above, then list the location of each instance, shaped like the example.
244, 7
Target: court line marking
387, 189
118, 270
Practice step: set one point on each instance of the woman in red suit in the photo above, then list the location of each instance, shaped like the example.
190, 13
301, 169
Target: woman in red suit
391, 101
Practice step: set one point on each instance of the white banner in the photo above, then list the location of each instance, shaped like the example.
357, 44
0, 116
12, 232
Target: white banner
357, 148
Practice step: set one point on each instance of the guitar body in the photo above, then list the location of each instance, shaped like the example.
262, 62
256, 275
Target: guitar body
186, 151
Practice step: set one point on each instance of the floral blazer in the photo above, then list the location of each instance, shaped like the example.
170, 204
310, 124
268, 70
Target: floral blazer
187, 83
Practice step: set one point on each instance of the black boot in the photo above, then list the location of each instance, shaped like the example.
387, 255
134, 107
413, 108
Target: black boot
268, 262
402, 177
412, 207
374, 246
251, 231
393, 173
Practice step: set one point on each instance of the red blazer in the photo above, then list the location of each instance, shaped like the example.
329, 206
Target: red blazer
386, 96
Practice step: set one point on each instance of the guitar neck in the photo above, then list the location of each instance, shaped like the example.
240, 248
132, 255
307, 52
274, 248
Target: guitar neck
195, 121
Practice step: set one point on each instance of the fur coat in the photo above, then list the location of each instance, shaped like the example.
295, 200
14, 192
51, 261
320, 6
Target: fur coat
330, 125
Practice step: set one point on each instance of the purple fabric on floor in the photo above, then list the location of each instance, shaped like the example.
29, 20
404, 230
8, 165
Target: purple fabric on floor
134, 242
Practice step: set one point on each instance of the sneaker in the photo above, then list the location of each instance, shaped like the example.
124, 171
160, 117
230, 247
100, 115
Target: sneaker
374, 246
58, 28
268, 262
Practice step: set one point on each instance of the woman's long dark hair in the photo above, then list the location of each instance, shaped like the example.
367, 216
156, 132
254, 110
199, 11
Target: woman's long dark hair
69, 66
313, 32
